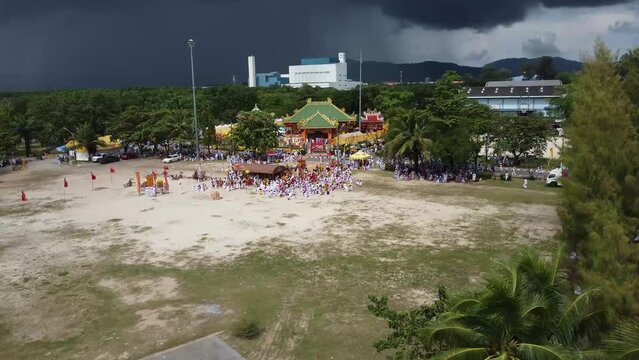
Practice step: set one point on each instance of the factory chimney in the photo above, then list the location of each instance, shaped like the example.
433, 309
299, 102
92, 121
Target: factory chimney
251, 71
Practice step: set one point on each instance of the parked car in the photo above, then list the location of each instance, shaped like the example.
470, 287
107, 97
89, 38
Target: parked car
554, 178
129, 156
109, 159
97, 157
171, 159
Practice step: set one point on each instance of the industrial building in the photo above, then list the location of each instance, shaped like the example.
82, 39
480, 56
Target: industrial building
522, 97
271, 79
321, 72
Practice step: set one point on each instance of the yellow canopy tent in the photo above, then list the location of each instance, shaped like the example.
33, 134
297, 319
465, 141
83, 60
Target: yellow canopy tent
360, 155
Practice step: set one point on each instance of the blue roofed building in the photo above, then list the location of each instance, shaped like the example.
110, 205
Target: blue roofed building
271, 79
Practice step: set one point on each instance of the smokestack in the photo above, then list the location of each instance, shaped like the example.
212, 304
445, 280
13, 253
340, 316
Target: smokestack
251, 71
341, 57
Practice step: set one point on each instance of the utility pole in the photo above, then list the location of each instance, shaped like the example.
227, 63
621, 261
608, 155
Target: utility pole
401, 76
191, 44
359, 115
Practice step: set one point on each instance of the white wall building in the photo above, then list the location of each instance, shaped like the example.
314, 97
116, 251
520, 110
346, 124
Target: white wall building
321, 72
531, 96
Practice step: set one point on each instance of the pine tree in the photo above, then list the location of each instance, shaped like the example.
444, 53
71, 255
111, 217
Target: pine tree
601, 203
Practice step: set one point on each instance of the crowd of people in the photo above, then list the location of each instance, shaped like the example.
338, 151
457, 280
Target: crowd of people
298, 181
436, 172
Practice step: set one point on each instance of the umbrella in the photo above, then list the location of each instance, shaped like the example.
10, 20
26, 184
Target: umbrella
360, 155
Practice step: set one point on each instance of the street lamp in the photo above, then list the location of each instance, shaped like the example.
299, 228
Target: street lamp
191, 44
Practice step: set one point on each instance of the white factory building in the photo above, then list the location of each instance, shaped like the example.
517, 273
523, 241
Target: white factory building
523, 97
321, 72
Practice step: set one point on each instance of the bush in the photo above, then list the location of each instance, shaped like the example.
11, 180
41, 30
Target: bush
247, 329
531, 177
484, 176
503, 177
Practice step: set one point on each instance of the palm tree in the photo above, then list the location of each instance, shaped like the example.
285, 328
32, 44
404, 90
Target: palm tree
623, 343
408, 135
522, 313
25, 127
86, 137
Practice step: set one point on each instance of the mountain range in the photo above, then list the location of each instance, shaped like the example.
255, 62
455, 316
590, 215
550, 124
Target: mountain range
376, 71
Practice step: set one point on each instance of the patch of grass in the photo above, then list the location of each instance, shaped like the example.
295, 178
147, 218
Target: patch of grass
247, 329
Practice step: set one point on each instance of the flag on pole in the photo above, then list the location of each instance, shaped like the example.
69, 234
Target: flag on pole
111, 170
66, 183
93, 176
24, 196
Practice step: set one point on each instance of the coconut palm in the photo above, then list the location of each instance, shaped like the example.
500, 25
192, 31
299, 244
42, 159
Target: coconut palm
520, 314
86, 137
623, 343
408, 135
25, 127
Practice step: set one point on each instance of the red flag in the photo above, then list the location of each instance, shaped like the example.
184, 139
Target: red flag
111, 170
92, 176
66, 183
24, 196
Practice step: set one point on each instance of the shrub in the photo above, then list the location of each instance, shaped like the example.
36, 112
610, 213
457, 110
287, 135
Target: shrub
484, 176
506, 178
247, 329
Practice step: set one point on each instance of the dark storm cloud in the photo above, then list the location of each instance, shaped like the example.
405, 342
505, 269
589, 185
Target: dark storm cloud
474, 14
624, 27
541, 46
115, 43
451, 14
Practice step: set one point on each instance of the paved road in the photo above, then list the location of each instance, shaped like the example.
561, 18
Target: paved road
206, 348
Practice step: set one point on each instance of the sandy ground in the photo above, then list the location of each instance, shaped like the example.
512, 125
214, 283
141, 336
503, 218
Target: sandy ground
187, 228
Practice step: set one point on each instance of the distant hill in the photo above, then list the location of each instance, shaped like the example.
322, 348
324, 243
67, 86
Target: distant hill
514, 64
376, 71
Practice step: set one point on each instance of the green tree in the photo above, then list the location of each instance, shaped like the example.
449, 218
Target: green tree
601, 197
255, 130
86, 137
521, 313
408, 135
227, 100
528, 71
406, 327
490, 73
457, 128
545, 70
522, 136
628, 68
393, 100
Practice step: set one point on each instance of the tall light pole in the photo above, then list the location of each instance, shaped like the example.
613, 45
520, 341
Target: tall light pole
359, 115
191, 44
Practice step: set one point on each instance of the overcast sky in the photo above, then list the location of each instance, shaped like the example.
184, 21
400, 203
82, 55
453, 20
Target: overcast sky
50, 44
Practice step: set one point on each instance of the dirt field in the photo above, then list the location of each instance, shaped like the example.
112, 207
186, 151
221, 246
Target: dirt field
108, 274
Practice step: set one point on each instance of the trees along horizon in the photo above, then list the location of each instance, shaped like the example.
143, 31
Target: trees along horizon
255, 130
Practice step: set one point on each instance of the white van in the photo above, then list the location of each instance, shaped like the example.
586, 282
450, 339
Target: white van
554, 178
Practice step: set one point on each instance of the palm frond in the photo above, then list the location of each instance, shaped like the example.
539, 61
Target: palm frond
575, 314
462, 354
623, 343
453, 334
542, 352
